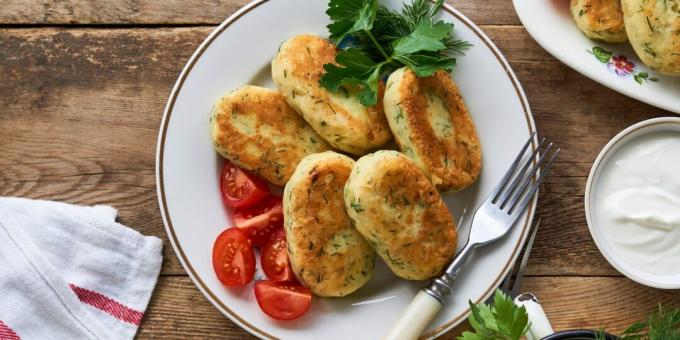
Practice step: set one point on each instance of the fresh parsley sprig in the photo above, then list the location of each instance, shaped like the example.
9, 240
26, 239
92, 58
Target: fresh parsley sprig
383, 40
501, 321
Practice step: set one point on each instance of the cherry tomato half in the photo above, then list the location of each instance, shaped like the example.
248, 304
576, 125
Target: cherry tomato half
233, 258
274, 259
241, 188
261, 220
282, 300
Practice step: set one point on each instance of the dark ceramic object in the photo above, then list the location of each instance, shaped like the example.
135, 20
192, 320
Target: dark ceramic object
577, 334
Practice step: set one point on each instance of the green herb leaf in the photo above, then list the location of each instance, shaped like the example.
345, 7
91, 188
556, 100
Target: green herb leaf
510, 320
354, 69
424, 65
662, 324
503, 320
482, 319
384, 40
425, 37
350, 16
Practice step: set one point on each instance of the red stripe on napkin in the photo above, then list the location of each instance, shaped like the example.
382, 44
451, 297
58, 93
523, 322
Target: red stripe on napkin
7, 333
108, 305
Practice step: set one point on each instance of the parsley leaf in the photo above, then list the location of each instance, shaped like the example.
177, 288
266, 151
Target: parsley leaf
383, 40
503, 320
350, 16
424, 65
510, 319
427, 36
358, 71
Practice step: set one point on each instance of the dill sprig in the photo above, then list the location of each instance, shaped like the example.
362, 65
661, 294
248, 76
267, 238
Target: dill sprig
662, 324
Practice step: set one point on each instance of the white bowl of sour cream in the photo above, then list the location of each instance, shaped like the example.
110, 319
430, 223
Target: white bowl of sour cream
632, 202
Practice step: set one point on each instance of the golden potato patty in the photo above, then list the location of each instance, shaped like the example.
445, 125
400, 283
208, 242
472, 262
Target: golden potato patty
400, 213
653, 28
600, 19
432, 126
327, 254
338, 117
256, 129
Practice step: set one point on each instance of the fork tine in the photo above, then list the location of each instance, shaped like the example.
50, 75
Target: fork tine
525, 178
511, 170
518, 267
525, 259
535, 187
518, 177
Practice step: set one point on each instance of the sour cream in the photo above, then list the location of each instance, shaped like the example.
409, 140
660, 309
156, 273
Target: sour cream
638, 203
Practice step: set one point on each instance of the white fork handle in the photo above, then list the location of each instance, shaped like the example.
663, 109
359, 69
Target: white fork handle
412, 322
540, 325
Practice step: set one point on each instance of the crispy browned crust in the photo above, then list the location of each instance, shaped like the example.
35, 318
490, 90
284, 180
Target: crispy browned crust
281, 138
453, 163
297, 69
600, 19
398, 210
327, 254
306, 54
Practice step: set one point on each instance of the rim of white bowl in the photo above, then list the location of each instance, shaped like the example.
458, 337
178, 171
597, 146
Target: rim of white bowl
630, 133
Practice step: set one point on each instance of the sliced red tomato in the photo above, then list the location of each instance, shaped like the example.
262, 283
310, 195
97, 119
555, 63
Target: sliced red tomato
241, 188
233, 257
261, 220
274, 259
282, 300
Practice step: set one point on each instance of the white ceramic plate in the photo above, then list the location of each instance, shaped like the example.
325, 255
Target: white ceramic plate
238, 52
603, 242
550, 23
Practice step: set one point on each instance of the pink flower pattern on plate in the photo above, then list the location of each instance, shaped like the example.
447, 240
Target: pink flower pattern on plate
620, 65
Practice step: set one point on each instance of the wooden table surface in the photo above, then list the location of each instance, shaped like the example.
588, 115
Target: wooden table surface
84, 84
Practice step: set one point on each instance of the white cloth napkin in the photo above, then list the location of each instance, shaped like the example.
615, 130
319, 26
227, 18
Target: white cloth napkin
71, 272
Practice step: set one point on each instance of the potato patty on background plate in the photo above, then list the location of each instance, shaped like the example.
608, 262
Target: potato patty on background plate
654, 31
599, 19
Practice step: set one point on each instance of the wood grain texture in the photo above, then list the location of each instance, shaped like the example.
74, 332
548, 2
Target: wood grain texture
179, 311
182, 12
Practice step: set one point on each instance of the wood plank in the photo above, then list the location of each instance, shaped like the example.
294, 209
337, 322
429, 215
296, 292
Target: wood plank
178, 310
81, 115
82, 109
174, 12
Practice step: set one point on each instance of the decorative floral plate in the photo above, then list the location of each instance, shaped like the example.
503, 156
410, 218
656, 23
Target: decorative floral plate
615, 66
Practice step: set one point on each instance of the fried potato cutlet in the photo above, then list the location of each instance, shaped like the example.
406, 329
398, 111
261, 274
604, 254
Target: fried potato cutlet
653, 28
338, 117
256, 129
599, 19
400, 213
432, 127
326, 253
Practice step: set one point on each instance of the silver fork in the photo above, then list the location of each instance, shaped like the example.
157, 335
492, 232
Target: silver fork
499, 212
